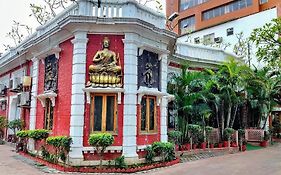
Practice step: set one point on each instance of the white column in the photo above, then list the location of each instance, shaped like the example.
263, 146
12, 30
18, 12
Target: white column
77, 96
33, 104
130, 97
164, 103
85, 8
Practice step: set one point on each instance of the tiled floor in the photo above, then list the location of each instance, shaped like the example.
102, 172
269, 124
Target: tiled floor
259, 162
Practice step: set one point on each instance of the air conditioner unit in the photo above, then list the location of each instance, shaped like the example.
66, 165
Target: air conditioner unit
3, 90
24, 99
218, 40
15, 84
197, 40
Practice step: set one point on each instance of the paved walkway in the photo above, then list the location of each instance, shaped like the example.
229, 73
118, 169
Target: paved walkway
259, 162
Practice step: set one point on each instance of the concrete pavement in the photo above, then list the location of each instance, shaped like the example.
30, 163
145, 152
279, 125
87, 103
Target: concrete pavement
259, 162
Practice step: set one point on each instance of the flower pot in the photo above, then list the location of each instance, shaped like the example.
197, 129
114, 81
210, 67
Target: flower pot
203, 145
220, 145
225, 143
211, 145
187, 146
194, 146
264, 143
233, 144
244, 147
177, 147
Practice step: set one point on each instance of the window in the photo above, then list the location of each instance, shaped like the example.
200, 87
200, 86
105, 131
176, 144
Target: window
230, 7
49, 114
103, 113
229, 31
148, 114
186, 4
197, 40
187, 24
263, 1
208, 39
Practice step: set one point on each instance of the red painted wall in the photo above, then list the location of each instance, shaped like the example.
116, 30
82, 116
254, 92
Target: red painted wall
25, 111
116, 45
62, 108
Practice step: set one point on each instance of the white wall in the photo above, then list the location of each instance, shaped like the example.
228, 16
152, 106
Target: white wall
245, 25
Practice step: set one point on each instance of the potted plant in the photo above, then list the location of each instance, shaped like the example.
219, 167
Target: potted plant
194, 131
241, 137
264, 143
208, 130
244, 147
227, 135
211, 145
15, 125
174, 137
3, 125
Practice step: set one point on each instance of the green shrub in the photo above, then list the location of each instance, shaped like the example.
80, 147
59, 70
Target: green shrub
61, 145
120, 162
175, 136
228, 133
150, 154
3, 122
16, 124
195, 132
23, 134
100, 141
38, 134
208, 130
164, 149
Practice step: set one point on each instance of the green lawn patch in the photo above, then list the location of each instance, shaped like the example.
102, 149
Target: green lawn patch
253, 147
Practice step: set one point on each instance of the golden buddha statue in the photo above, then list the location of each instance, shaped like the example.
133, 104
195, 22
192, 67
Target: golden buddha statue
106, 70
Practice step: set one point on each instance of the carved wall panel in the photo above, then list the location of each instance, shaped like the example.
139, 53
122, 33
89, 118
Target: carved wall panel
51, 73
149, 70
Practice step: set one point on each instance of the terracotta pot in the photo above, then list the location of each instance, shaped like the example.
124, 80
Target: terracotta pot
203, 145
177, 147
211, 145
244, 147
194, 146
187, 146
264, 143
220, 145
225, 143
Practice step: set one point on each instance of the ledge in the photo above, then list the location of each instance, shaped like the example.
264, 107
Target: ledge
107, 90
51, 95
150, 91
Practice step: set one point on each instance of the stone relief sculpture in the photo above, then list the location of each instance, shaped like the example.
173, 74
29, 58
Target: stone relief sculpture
105, 70
51, 73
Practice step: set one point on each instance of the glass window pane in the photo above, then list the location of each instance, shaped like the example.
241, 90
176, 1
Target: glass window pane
151, 114
97, 113
143, 114
51, 116
110, 103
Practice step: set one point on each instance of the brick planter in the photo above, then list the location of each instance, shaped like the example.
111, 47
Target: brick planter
101, 170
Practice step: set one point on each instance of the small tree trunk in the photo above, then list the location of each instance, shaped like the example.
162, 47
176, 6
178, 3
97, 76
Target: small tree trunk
234, 116
228, 115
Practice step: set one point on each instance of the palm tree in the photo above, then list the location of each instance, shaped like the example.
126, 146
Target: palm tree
264, 91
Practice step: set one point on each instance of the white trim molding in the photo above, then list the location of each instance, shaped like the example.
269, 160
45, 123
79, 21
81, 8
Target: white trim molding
90, 90
51, 95
150, 91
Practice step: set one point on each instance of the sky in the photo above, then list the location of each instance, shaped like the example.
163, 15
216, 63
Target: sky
19, 11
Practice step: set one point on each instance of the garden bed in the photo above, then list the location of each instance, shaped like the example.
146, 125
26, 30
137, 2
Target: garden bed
85, 169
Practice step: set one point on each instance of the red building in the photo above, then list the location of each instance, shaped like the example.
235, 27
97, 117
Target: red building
92, 70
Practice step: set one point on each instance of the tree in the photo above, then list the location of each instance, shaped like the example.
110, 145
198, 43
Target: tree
268, 41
